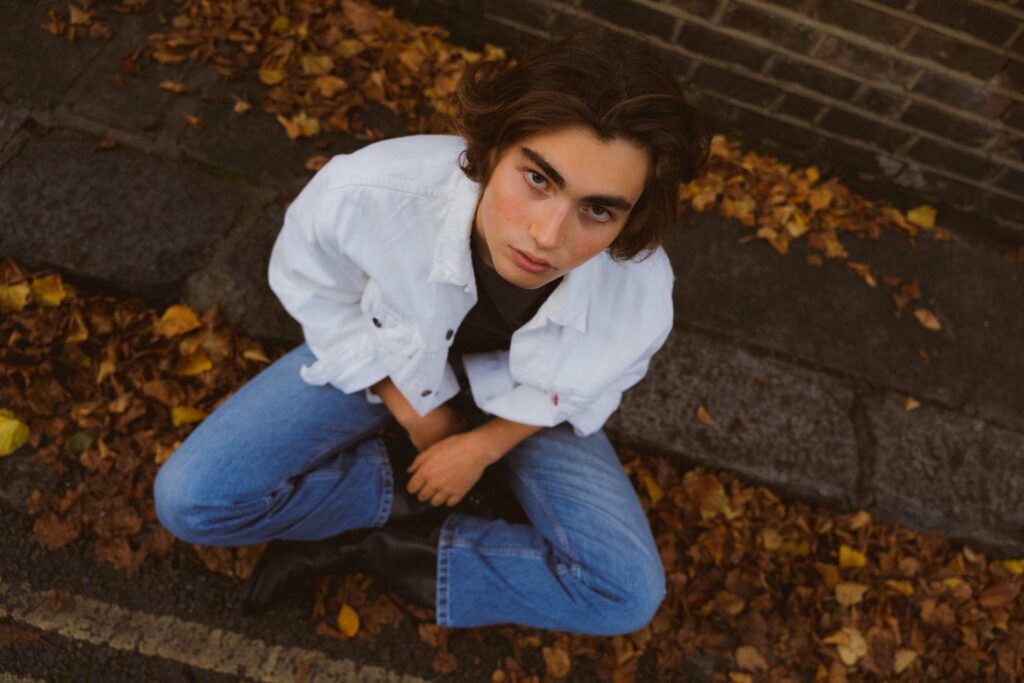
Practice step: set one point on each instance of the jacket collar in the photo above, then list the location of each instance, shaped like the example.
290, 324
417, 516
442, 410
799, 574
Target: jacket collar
453, 263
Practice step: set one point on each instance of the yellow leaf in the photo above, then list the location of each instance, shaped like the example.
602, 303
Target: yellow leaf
280, 24
307, 125
704, 416
812, 174
172, 86
349, 48
194, 364
178, 319
910, 403
556, 661
77, 331
348, 621
927, 319
740, 677
329, 86
833, 248
953, 581
771, 539
904, 587
290, 127
14, 297
850, 644
241, 106
271, 76
1015, 567
653, 490
848, 557
796, 225
165, 57
904, 658
13, 432
859, 520
183, 415
850, 593
317, 65
48, 290
820, 198
922, 216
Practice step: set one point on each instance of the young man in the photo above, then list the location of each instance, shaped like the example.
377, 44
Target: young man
484, 299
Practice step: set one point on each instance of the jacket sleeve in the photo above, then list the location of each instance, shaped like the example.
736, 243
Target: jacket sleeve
321, 287
587, 414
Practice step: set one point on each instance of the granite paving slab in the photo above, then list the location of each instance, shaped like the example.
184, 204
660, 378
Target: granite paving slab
237, 281
938, 469
137, 221
37, 67
826, 316
775, 423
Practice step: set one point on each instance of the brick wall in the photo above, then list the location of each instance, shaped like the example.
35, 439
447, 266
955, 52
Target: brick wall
907, 100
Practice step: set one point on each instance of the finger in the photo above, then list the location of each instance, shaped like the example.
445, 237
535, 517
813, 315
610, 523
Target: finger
438, 498
453, 501
426, 494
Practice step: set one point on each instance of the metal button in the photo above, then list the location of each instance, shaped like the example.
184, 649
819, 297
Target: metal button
376, 322
426, 392
448, 334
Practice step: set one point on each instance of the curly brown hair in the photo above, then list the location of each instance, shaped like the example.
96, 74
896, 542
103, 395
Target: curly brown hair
616, 85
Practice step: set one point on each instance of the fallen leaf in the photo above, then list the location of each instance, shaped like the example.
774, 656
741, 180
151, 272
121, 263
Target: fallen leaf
927, 319
749, 658
849, 643
176, 320
48, 290
348, 621
922, 216
910, 403
181, 415
14, 297
850, 593
13, 432
904, 658
704, 416
556, 661
1000, 594
848, 557
172, 86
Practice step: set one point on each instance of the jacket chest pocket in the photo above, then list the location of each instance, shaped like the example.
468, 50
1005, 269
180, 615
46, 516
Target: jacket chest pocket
393, 335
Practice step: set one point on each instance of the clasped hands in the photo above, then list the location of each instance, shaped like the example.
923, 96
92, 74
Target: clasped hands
450, 461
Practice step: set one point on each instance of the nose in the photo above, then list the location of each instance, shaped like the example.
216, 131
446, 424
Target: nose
549, 225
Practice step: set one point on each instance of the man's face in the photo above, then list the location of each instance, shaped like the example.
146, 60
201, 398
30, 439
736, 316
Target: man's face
554, 200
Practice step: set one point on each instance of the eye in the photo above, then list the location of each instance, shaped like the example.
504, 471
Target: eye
536, 180
599, 213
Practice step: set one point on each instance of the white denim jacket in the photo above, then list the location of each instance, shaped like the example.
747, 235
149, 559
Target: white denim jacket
374, 262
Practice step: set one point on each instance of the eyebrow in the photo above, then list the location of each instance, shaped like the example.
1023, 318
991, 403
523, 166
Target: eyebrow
603, 200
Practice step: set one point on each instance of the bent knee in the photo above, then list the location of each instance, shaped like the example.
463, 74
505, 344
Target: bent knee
634, 600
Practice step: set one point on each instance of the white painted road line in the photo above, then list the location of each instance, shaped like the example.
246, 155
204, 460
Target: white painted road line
168, 637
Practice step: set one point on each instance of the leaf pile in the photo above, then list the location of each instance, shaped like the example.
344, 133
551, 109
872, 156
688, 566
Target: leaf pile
323, 61
786, 204
758, 590
107, 391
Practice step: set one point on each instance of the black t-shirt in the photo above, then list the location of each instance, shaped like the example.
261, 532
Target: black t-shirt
500, 310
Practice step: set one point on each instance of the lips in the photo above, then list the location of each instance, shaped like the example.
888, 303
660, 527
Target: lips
534, 259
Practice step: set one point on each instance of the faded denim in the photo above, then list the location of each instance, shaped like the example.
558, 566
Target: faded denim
284, 459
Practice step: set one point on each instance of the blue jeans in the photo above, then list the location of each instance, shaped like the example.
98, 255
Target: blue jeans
284, 459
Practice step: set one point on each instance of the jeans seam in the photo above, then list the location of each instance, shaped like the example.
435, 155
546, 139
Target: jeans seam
499, 550
387, 484
442, 611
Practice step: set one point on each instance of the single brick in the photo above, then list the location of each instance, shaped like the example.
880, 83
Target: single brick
779, 31
849, 124
799, 106
865, 62
1006, 208
946, 125
954, 160
838, 154
879, 102
721, 46
1012, 180
855, 17
812, 77
789, 137
949, 191
700, 8
1014, 73
960, 94
955, 53
734, 85
986, 23
631, 15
